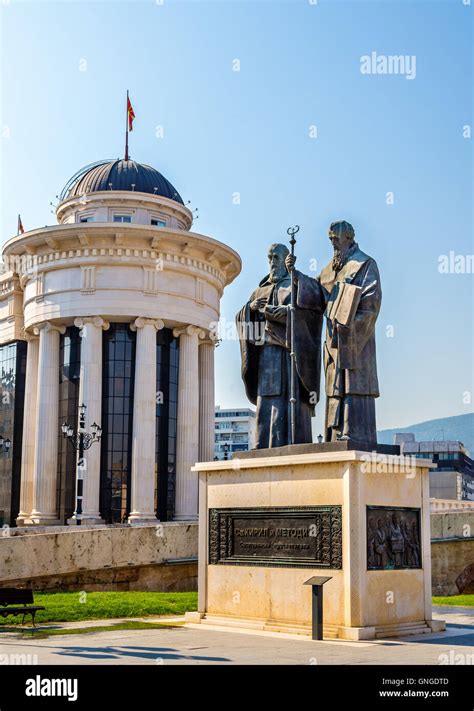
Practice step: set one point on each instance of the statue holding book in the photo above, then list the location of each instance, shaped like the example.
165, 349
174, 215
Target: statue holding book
348, 292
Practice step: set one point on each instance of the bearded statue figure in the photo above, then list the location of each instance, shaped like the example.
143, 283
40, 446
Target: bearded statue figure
263, 325
349, 348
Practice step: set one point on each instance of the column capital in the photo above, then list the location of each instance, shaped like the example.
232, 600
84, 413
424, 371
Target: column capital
47, 327
208, 339
189, 331
27, 336
96, 321
140, 322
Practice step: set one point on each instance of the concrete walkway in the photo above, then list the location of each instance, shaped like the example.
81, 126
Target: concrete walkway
196, 644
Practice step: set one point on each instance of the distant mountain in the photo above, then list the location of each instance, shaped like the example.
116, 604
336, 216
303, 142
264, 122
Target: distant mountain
460, 427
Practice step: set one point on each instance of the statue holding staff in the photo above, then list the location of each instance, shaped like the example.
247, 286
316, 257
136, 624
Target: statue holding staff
263, 325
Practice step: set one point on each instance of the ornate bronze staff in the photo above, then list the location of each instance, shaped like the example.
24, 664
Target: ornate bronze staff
292, 231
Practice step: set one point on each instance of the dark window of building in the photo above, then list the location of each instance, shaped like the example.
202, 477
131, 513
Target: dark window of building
118, 375
12, 394
167, 365
69, 376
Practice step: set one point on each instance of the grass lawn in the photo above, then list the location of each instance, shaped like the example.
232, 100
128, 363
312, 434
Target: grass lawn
76, 606
462, 600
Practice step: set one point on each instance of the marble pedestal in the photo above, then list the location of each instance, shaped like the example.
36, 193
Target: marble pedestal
333, 491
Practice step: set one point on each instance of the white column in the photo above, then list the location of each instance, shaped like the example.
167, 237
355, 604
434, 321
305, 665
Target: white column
144, 422
46, 452
29, 434
206, 401
90, 394
187, 440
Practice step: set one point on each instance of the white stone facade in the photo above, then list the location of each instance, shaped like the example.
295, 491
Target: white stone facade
91, 274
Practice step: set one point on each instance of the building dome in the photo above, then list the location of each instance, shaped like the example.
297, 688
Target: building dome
119, 175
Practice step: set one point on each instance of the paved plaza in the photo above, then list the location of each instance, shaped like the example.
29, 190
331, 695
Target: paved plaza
199, 644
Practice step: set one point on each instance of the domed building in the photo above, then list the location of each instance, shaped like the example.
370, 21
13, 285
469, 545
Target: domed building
112, 309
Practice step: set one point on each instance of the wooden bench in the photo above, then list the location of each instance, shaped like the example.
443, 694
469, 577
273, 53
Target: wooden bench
17, 597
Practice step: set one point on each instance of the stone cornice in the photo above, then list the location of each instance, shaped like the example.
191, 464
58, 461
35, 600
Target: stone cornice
375, 462
137, 242
122, 257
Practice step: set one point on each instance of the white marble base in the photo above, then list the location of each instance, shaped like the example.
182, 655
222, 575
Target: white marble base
359, 603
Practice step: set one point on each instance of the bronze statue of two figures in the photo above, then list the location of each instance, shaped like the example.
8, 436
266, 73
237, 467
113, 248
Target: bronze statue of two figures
347, 295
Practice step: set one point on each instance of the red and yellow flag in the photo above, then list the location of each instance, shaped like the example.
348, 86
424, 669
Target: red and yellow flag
130, 114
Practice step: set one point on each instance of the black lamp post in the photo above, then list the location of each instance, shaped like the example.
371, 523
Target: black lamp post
81, 440
5, 445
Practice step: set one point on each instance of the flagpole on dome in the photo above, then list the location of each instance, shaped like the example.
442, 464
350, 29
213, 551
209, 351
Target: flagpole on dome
126, 129
129, 116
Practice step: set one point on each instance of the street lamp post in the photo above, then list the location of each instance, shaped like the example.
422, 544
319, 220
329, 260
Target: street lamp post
81, 440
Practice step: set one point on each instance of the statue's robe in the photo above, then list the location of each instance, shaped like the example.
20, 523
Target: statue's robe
349, 353
266, 364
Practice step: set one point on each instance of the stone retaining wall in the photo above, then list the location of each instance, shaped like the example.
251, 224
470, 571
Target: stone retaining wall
452, 551
161, 557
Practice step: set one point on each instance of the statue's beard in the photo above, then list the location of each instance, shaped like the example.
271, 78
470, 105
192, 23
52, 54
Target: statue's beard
277, 275
339, 258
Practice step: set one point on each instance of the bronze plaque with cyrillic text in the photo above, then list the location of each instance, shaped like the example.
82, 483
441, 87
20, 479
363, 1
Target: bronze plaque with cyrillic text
297, 537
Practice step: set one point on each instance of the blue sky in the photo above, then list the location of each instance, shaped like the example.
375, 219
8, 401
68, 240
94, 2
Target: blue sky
248, 132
